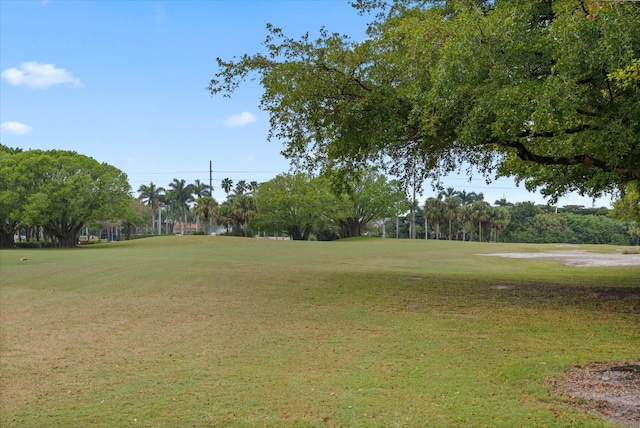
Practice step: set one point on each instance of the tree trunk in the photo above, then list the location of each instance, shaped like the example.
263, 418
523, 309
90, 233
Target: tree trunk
413, 210
413, 224
295, 233
306, 233
6, 238
184, 225
67, 235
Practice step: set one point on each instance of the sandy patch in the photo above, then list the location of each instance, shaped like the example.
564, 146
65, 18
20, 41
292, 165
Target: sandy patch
579, 258
611, 390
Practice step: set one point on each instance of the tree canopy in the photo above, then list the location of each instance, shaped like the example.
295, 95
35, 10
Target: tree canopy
61, 191
628, 206
300, 204
544, 91
365, 197
295, 204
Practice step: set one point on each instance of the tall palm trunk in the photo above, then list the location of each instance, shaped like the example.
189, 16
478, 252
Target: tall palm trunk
184, 224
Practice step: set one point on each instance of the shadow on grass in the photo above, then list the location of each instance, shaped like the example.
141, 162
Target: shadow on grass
416, 293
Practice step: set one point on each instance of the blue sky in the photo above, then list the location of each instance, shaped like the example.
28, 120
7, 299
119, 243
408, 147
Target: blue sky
124, 82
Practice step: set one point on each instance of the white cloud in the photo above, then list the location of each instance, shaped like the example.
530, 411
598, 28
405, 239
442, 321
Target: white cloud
36, 75
243, 119
15, 128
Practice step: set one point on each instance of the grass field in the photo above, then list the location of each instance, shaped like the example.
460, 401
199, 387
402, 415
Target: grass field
214, 331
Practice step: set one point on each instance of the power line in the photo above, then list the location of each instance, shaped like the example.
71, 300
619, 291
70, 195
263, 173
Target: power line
204, 172
469, 182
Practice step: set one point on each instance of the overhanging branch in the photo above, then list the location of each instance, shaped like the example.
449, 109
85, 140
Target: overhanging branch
629, 174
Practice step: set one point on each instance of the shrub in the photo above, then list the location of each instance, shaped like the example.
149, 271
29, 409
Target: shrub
34, 244
30, 244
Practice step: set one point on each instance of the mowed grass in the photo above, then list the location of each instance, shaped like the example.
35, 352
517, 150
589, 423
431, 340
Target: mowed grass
216, 331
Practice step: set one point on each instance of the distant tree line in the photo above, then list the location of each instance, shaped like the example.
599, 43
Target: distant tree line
56, 196
466, 216
303, 207
296, 206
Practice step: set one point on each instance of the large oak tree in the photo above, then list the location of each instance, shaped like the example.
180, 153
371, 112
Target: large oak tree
295, 204
365, 196
546, 91
60, 191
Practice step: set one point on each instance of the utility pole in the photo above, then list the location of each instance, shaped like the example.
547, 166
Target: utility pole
211, 193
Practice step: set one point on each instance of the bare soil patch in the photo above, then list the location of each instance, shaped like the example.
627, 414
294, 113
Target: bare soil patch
579, 258
611, 390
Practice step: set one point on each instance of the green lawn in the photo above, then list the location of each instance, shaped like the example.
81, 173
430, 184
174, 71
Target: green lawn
201, 331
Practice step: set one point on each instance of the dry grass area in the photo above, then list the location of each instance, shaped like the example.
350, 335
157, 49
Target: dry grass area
213, 331
608, 389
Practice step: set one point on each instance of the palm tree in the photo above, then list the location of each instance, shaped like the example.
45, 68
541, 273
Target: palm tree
182, 195
500, 218
224, 216
244, 209
465, 215
469, 198
447, 193
205, 209
201, 189
465, 198
502, 202
434, 209
481, 213
252, 187
171, 210
241, 187
452, 204
227, 185
151, 195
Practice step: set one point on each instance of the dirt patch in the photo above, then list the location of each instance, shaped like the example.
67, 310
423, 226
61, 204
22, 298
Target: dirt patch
611, 390
579, 258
